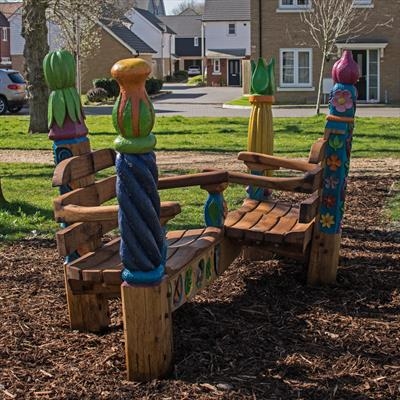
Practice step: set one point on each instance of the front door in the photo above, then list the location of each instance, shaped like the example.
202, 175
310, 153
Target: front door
234, 73
360, 57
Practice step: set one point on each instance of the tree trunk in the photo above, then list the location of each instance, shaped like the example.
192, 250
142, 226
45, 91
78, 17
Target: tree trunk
34, 30
321, 75
2, 198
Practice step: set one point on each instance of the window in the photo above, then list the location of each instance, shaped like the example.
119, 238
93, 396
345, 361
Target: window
294, 4
5, 35
362, 3
231, 29
216, 66
295, 67
196, 41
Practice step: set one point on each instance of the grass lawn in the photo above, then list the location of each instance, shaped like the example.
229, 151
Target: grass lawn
373, 138
27, 187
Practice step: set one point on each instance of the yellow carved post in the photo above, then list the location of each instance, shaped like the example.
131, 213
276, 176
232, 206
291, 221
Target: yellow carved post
260, 137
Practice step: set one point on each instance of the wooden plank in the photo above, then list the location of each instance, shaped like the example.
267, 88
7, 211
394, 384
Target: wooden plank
71, 238
234, 216
317, 151
203, 178
189, 252
309, 208
248, 220
265, 161
300, 235
284, 225
73, 213
309, 183
267, 222
78, 167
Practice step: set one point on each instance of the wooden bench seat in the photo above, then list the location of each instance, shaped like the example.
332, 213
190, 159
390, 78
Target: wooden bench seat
273, 224
100, 271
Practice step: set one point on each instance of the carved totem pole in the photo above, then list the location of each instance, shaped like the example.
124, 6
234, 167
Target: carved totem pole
260, 138
143, 246
324, 257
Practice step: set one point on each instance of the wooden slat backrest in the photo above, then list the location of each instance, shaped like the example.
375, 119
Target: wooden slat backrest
75, 168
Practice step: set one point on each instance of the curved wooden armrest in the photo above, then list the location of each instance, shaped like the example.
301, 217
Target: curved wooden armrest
260, 162
200, 179
71, 213
308, 183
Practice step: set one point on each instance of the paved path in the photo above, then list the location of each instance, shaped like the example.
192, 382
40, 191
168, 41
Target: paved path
208, 102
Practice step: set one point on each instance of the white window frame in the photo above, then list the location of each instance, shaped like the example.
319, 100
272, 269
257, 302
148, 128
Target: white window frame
216, 66
234, 26
196, 41
363, 4
295, 7
4, 34
296, 83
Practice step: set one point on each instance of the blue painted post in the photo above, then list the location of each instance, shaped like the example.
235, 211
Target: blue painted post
145, 305
324, 256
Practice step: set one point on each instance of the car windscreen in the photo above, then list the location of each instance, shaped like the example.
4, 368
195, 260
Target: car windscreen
16, 77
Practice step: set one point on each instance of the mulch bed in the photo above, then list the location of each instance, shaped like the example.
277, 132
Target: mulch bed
257, 333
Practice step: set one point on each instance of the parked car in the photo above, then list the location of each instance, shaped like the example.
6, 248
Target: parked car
13, 94
194, 70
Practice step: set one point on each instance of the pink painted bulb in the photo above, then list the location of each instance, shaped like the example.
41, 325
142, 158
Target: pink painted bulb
345, 69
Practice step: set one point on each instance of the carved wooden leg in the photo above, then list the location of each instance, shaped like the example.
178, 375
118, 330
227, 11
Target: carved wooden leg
147, 330
87, 312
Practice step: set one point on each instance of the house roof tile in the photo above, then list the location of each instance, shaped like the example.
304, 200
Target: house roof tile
127, 36
183, 25
227, 10
9, 9
154, 20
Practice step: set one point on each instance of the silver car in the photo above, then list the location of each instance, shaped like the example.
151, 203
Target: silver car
13, 94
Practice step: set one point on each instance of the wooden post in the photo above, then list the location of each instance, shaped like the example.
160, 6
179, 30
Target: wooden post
67, 129
260, 138
324, 257
145, 305
147, 330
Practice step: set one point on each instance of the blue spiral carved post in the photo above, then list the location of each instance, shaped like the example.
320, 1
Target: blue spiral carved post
146, 310
324, 257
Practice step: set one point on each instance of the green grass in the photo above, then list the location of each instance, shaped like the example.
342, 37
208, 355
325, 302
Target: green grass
393, 206
373, 137
28, 211
241, 101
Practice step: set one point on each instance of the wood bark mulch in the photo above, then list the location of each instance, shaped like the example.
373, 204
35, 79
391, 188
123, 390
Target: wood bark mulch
257, 333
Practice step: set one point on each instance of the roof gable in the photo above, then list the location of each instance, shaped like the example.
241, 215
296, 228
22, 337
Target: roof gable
9, 9
227, 10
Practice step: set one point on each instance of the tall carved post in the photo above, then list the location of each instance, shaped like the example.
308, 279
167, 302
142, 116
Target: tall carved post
324, 256
66, 120
146, 310
68, 130
260, 137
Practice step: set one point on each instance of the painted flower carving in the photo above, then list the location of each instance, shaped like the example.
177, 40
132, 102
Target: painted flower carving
342, 100
333, 162
329, 201
331, 182
327, 220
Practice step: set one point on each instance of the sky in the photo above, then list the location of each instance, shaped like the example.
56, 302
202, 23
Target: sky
170, 5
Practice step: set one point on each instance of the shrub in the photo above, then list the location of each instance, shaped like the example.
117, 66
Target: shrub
96, 94
153, 85
196, 80
110, 85
181, 76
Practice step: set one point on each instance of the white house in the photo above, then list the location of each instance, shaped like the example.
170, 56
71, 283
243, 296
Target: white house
158, 36
226, 25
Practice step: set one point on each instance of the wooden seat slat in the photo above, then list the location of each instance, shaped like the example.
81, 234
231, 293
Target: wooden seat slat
234, 216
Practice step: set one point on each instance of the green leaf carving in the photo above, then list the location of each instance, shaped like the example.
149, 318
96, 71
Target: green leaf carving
115, 115
50, 111
70, 102
336, 143
59, 107
127, 120
213, 212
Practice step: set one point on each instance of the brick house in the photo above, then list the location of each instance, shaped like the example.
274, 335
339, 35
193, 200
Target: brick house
277, 31
5, 59
226, 25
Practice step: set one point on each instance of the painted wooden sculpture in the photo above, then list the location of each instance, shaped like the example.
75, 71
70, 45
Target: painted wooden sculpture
324, 257
66, 120
260, 138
